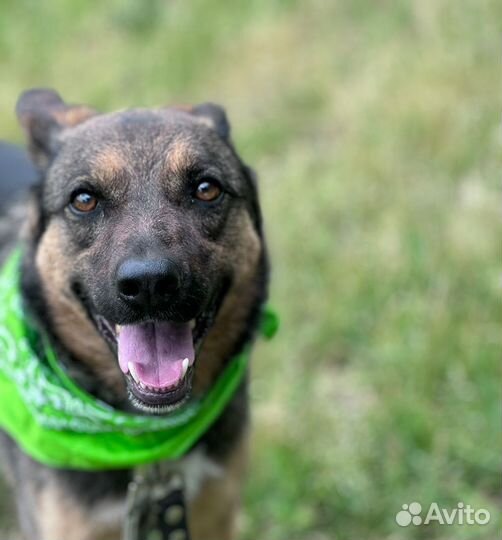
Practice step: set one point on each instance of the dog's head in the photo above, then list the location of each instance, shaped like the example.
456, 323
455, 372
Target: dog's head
146, 242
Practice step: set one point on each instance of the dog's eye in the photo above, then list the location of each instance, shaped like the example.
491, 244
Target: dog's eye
208, 191
83, 202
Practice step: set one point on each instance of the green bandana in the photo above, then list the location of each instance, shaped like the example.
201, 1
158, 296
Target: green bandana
59, 424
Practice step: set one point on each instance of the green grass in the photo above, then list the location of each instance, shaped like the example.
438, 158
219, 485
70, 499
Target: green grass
375, 129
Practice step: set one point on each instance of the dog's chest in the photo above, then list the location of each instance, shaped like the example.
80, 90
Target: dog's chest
160, 485
194, 470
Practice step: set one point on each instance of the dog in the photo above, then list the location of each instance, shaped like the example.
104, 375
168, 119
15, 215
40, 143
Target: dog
142, 247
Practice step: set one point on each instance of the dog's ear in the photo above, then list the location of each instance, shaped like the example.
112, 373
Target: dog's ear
44, 115
215, 117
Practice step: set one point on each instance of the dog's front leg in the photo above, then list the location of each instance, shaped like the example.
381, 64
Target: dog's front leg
57, 514
214, 511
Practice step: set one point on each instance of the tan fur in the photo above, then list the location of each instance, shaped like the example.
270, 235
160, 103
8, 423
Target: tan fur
232, 316
182, 107
178, 158
108, 164
71, 323
30, 225
71, 116
213, 514
62, 518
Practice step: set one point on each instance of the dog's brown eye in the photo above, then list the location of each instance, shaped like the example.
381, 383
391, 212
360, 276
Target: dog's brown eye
84, 202
208, 191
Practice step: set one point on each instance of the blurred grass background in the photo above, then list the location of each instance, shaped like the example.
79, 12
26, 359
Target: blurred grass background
375, 129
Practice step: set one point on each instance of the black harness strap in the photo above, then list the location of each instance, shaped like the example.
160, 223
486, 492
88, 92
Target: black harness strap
156, 507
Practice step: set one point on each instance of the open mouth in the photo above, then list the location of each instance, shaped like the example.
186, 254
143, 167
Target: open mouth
157, 356
157, 359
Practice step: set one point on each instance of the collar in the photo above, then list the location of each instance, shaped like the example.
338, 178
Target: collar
59, 424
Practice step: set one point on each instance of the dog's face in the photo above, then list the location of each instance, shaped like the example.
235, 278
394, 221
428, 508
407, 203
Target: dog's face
148, 223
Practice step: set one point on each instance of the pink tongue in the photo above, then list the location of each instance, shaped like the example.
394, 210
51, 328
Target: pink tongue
156, 351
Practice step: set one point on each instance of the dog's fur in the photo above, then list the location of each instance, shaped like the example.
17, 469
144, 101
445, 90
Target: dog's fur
143, 163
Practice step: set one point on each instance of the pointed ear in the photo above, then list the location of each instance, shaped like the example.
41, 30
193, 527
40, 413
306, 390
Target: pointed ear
43, 115
215, 117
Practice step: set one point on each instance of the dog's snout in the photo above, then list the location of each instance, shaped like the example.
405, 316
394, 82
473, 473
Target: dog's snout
147, 284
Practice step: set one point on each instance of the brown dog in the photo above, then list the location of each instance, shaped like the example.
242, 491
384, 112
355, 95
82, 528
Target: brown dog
144, 228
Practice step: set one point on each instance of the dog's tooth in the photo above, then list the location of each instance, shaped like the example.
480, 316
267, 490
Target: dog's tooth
192, 324
132, 371
118, 329
185, 367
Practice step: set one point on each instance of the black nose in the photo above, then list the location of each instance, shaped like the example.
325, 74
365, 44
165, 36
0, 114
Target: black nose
147, 284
